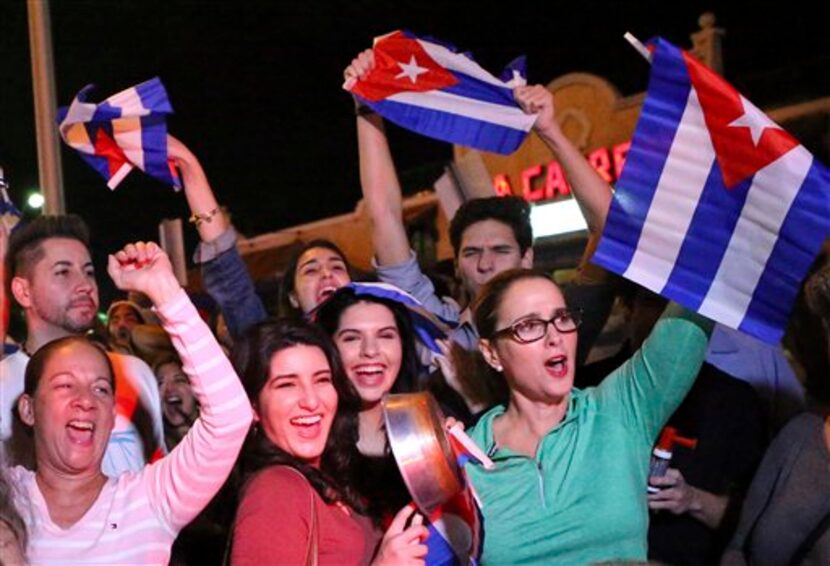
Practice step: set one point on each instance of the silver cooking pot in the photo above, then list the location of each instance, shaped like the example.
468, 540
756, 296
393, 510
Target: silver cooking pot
415, 427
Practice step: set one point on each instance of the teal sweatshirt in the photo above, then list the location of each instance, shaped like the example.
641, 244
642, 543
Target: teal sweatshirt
582, 499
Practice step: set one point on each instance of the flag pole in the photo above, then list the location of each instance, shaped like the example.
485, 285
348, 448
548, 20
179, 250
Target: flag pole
638, 45
43, 82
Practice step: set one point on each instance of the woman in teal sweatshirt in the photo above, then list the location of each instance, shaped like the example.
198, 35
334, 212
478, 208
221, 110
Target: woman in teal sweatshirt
569, 484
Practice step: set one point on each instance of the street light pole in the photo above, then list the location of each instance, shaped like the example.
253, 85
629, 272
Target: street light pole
43, 83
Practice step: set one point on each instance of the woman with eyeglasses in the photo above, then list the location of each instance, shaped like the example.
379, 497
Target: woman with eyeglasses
571, 465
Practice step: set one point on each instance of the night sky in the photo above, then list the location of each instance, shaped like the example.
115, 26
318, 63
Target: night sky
256, 85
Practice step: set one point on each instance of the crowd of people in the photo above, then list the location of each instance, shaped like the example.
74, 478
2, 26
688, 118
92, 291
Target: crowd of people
158, 439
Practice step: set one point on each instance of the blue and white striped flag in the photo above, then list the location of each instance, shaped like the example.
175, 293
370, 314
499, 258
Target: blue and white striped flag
428, 87
10, 215
127, 130
428, 327
717, 208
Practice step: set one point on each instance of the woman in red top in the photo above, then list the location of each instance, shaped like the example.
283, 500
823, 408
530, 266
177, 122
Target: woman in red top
298, 505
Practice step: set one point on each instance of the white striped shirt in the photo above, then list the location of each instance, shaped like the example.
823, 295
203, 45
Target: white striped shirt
137, 515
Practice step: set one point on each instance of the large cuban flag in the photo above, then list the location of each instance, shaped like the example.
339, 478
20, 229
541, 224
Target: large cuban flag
426, 86
717, 207
126, 130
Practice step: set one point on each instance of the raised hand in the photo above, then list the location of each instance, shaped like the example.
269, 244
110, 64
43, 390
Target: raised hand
591, 191
536, 99
359, 67
178, 152
197, 191
402, 545
144, 267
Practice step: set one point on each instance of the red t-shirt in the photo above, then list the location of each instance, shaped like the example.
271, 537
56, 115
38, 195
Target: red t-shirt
273, 524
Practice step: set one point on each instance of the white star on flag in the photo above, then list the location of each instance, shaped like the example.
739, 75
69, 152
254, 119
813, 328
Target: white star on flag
411, 70
755, 120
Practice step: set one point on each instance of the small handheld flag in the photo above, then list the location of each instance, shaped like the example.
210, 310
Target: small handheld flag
10, 215
456, 528
428, 327
717, 208
126, 130
429, 88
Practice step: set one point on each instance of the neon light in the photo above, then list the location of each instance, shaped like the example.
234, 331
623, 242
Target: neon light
555, 182
528, 192
607, 162
601, 161
501, 184
620, 152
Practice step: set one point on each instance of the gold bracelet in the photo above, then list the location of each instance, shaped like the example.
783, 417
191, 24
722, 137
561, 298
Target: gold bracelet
199, 217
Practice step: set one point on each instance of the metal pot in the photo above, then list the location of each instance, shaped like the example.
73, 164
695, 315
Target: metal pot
415, 427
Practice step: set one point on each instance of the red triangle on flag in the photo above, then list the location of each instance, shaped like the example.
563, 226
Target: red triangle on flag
106, 147
402, 65
744, 138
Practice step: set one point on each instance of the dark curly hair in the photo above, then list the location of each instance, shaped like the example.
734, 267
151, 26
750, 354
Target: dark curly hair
251, 358
512, 211
288, 279
329, 314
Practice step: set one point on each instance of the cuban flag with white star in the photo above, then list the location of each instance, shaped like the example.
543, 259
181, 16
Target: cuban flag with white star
128, 129
717, 207
428, 87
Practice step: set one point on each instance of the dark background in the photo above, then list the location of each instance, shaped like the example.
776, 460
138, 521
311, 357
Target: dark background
256, 86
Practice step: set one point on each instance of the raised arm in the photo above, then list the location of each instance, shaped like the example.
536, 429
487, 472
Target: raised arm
591, 192
378, 178
210, 221
648, 388
225, 276
182, 484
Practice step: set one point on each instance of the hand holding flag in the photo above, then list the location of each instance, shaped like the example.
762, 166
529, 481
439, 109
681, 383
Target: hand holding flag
538, 101
126, 130
359, 68
402, 544
455, 527
427, 87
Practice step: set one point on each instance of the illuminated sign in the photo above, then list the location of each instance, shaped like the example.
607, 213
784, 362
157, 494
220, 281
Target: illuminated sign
541, 183
546, 182
557, 217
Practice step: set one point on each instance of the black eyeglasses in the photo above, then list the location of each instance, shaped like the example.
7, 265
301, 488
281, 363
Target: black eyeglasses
533, 329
